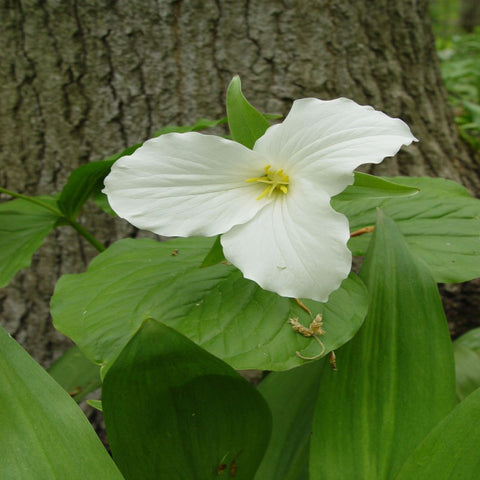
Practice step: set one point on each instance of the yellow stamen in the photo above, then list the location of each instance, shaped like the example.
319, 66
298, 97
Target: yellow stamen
277, 181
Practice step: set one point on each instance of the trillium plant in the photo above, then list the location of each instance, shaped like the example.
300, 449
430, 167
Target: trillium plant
354, 373
271, 203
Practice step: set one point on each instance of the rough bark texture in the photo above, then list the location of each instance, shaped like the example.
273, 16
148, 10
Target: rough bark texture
82, 80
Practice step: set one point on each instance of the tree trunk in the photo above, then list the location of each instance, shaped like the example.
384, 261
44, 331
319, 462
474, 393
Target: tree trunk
83, 80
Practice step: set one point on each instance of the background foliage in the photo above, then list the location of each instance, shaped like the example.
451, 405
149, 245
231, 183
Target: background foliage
459, 53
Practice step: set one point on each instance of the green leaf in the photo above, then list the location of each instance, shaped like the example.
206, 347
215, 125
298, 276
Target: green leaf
86, 181
246, 123
200, 124
215, 255
467, 362
76, 374
23, 227
215, 307
441, 224
291, 396
451, 449
81, 184
368, 186
43, 433
182, 413
97, 404
395, 379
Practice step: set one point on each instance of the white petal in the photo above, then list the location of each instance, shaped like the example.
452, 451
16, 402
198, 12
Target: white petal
326, 140
296, 246
186, 184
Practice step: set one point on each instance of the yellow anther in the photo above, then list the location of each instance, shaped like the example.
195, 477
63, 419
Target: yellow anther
276, 181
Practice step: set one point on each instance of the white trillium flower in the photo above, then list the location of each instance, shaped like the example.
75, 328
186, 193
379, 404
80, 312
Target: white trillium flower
271, 204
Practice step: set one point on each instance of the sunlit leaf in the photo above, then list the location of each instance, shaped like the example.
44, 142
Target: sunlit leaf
441, 224
215, 307
43, 433
395, 378
246, 123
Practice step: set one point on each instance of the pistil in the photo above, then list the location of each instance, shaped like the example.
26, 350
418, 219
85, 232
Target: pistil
276, 180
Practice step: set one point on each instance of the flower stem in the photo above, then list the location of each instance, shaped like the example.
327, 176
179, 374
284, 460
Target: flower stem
87, 235
34, 200
73, 223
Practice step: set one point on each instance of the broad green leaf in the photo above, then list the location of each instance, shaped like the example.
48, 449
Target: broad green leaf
76, 374
200, 124
450, 451
441, 224
23, 227
395, 379
291, 396
86, 181
215, 307
215, 254
368, 186
43, 433
246, 123
173, 411
467, 362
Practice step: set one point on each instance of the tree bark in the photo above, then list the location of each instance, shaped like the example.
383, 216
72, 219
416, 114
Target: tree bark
83, 80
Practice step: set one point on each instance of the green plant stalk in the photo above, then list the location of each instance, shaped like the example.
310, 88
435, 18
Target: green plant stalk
56, 211
73, 223
87, 235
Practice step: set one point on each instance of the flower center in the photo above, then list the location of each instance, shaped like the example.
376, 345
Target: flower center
276, 181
